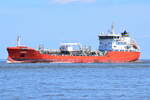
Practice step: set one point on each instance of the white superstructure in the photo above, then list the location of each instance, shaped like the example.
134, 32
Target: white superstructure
70, 46
116, 42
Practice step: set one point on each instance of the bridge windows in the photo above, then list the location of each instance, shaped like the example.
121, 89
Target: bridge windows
121, 43
109, 37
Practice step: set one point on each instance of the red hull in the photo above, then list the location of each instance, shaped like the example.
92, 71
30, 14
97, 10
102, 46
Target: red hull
29, 55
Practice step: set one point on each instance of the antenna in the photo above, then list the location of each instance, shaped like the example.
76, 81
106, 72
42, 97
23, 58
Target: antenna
123, 28
113, 28
18, 41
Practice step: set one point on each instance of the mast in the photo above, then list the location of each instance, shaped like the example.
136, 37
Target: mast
113, 28
18, 41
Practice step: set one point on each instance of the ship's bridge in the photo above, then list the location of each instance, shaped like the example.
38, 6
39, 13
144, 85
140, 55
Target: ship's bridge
109, 36
106, 41
116, 42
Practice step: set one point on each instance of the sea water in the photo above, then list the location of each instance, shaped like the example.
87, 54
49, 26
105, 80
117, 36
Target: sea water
46, 81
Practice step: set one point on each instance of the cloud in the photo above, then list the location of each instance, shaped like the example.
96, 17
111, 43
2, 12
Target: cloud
71, 1
102, 2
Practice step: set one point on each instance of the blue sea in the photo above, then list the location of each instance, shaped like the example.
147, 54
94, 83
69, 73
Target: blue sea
46, 81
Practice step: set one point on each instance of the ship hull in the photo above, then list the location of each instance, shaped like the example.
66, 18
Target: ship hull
30, 55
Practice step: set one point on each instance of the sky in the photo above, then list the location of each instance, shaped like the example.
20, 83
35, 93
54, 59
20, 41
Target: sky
51, 22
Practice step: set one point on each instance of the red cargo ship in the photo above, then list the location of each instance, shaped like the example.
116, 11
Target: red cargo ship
113, 48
